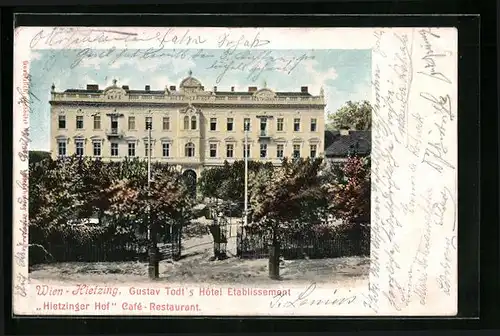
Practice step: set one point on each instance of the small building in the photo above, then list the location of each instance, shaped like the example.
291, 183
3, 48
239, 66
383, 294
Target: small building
344, 142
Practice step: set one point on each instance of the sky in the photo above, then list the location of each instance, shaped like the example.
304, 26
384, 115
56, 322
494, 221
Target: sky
344, 74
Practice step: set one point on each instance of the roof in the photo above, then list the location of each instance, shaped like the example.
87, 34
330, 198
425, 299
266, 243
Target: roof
330, 137
189, 82
343, 145
217, 93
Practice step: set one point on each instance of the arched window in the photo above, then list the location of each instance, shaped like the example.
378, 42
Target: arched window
193, 122
189, 149
186, 122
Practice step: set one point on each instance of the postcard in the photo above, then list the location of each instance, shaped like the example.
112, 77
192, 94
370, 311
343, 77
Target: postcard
208, 171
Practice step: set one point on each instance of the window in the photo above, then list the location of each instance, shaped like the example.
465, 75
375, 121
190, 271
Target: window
279, 151
61, 148
62, 121
296, 151
97, 122
131, 149
279, 124
246, 124
114, 149
213, 150
97, 148
114, 124
263, 150
79, 122
149, 123
313, 150
166, 149
296, 124
186, 122
213, 124
79, 148
166, 123
189, 149
229, 150
263, 126
193, 122
313, 124
146, 146
230, 122
131, 123
246, 151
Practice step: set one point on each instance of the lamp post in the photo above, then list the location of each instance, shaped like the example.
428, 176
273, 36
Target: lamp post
245, 218
153, 265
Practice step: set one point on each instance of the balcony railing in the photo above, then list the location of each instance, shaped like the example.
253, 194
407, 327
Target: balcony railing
114, 132
314, 100
264, 135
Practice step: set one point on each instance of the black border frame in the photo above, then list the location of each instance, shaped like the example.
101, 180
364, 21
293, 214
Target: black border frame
468, 172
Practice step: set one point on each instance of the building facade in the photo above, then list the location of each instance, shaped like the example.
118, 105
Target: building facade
191, 128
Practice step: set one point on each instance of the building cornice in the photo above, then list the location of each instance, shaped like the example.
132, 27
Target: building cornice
183, 104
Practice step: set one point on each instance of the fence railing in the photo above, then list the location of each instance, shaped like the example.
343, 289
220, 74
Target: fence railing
91, 252
251, 245
98, 250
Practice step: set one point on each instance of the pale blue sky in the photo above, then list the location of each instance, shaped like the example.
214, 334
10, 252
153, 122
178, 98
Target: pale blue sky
344, 74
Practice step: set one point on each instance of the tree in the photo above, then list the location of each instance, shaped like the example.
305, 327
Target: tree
353, 115
349, 190
37, 156
128, 193
55, 200
226, 183
279, 201
210, 180
225, 188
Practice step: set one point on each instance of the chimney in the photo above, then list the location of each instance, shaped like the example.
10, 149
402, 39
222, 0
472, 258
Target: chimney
172, 87
125, 87
215, 88
344, 131
92, 87
303, 89
147, 88
232, 88
252, 88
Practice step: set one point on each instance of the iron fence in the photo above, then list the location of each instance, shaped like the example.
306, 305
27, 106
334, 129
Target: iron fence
92, 251
107, 250
314, 246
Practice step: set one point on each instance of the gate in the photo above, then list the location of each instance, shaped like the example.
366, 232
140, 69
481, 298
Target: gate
170, 242
250, 244
218, 229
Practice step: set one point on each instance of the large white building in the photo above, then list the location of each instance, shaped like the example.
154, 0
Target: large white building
192, 127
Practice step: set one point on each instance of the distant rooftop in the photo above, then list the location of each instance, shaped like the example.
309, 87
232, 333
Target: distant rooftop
342, 144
